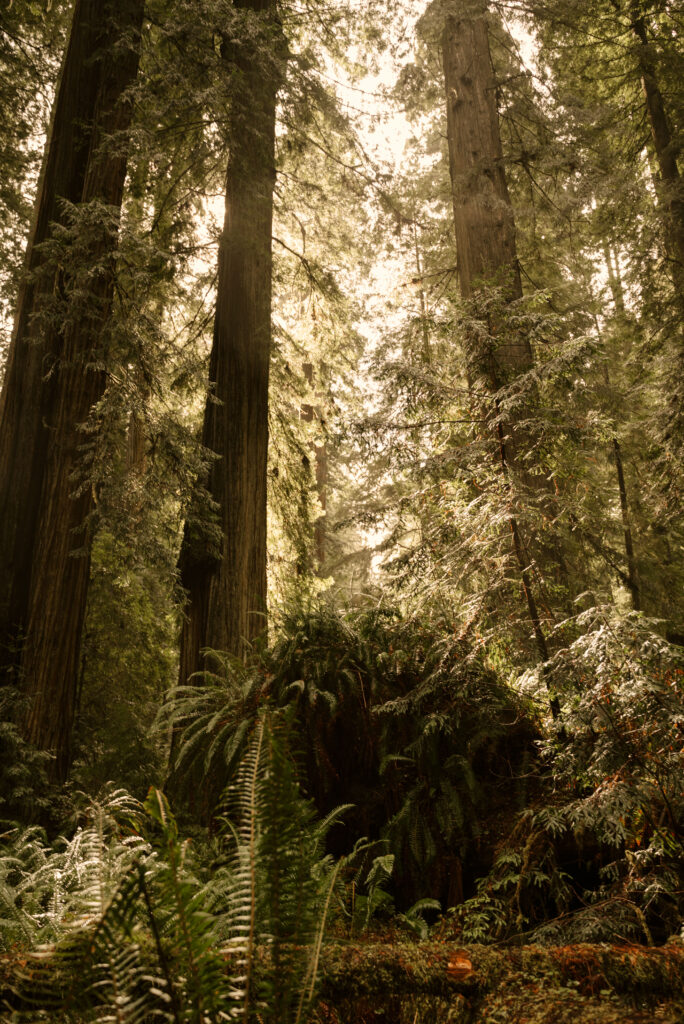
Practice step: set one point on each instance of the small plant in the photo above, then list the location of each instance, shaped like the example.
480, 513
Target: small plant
413, 918
367, 896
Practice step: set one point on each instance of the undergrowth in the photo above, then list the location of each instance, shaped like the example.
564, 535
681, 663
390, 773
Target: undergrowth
128, 922
397, 716
598, 856
532, 830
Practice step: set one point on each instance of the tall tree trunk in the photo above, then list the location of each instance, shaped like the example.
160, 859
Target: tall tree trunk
670, 192
426, 353
485, 236
483, 215
307, 413
616, 289
632, 575
664, 146
615, 280
224, 571
54, 373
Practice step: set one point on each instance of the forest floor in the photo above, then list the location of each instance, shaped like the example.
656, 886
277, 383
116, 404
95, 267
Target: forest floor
435, 983
444, 983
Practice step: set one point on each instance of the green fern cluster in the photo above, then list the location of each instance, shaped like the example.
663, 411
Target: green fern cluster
394, 715
124, 923
25, 790
274, 851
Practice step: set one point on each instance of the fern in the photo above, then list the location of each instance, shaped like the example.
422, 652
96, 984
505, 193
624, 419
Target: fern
278, 877
425, 718
124, 925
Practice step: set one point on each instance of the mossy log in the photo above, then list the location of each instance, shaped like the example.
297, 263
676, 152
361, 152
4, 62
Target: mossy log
443, 983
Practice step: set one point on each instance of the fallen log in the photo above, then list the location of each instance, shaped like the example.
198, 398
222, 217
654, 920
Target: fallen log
444, 983
439, 983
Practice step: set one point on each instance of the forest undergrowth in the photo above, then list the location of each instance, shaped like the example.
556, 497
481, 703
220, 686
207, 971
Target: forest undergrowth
472, 816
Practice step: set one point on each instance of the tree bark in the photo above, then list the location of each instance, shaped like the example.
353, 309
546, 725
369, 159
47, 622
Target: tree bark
671, 206
666, 155
483, 216
306, 414
55, 376
223, 569
485, 239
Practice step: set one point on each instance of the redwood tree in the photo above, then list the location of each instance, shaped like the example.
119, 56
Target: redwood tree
485, 240
55, 372
223, 567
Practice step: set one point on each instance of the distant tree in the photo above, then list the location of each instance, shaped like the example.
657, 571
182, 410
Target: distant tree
485, 243
613, 74
31, 35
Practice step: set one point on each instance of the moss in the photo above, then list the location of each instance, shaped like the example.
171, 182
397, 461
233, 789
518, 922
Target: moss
435, 983
442, 983
523, 1003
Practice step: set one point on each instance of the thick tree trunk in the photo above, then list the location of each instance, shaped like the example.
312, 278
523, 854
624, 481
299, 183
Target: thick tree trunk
671, 206
670, 186
485, 238
483, 216
54, 374
224, 571
375, 982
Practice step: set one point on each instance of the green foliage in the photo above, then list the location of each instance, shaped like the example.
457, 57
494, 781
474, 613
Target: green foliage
414, 918
599, 857
620, 733
393, 710
367, 896
524, 886
25, 792
31, 35
131, 923
128, 661
50, 889
429, 725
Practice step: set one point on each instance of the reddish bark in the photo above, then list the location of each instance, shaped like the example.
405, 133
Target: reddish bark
484, 225
55, 376
225, 575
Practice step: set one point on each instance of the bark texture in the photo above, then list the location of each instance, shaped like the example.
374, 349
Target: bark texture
224, 571
484, 225
483, 216
55, 373
670, 186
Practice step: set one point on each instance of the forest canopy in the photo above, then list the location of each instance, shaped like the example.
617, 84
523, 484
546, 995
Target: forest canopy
341, 519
